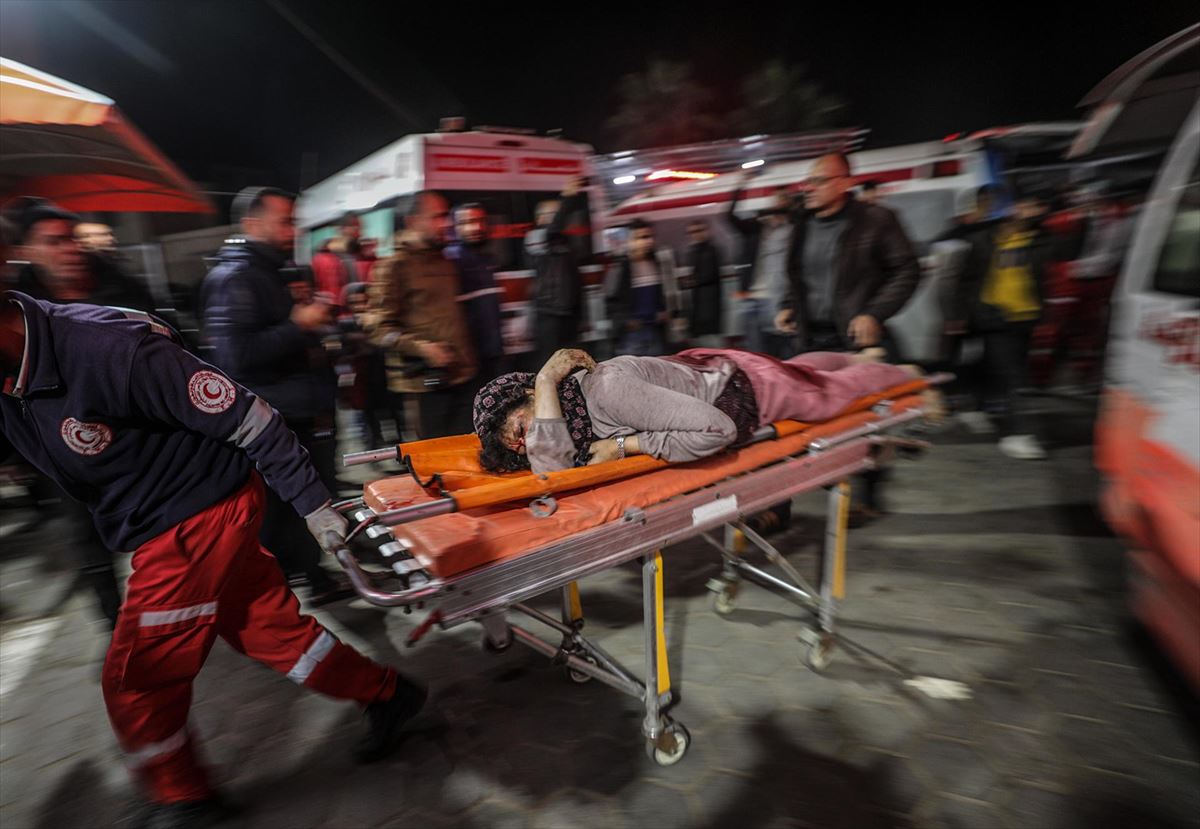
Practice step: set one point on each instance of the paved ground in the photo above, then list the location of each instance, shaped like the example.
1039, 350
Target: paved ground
995, 574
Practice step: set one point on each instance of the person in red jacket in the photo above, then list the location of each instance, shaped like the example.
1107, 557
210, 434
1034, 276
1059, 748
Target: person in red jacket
342, 261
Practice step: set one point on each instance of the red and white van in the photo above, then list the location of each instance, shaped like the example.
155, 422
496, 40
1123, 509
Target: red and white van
1148, 430
508, 171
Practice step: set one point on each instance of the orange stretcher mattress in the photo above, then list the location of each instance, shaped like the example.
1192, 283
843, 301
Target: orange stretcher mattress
484, 530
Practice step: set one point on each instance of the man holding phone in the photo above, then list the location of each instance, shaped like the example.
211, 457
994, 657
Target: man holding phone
265, 325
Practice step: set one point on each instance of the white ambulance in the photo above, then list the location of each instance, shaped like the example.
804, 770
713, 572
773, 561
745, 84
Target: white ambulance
1148, 431
507, 170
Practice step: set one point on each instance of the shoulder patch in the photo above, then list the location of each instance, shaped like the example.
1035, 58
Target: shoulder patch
211, 393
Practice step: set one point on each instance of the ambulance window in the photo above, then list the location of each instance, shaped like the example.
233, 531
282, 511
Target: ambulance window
1178, 270
511, 216
504, 221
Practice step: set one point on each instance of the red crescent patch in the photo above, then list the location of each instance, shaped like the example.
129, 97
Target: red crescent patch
85, 438
210, 392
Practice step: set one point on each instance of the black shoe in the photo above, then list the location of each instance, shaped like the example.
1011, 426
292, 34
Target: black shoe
190, 814
862, 514
777, 519
386, 719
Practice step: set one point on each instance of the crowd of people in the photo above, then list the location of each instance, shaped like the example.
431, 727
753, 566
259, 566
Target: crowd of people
419, 331
1033, 283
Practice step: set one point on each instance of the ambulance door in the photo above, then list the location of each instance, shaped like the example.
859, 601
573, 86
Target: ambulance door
1154, 349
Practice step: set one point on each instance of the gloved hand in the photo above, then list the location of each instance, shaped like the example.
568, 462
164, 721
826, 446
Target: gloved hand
328, 527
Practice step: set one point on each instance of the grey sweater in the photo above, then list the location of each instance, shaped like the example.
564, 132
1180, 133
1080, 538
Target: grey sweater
667, 405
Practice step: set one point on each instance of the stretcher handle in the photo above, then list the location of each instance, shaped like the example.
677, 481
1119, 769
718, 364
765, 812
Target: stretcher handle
390, 453
870, 427
415, 512
361, 581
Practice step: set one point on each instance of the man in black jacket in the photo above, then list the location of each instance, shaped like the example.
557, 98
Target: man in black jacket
705, 261
479, 295
558, 290
266, 332
853, 269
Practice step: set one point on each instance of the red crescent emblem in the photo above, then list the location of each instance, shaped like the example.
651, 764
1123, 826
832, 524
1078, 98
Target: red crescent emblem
210, 392
85, 438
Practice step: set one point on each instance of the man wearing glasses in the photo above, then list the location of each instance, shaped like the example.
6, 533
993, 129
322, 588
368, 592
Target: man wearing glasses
854, 269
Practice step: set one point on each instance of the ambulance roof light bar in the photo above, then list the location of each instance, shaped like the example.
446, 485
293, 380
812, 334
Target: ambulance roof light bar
695, 175
506, 130
457, 123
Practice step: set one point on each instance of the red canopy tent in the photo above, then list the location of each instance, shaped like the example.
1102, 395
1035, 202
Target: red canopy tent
73, 146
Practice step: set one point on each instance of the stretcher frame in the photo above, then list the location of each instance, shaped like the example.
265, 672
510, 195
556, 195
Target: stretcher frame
487, 593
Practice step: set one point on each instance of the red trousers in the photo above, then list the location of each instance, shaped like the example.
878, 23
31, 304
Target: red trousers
1075, 317
207, 577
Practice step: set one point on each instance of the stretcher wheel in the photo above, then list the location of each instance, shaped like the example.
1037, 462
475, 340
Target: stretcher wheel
725, 600
670, 746
579, 677
819, 654
491, 647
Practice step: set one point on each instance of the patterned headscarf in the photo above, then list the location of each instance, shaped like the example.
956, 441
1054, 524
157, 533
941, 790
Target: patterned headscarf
496, 398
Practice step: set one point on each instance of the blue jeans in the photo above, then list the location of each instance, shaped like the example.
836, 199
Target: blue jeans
756, 317
646, 341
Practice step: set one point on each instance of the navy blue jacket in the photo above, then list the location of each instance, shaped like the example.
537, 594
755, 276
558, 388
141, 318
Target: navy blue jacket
107, 405
480, 298
246, 309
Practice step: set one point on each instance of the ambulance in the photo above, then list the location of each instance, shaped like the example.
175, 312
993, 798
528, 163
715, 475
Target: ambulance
507, 170
1148, 430
926, 183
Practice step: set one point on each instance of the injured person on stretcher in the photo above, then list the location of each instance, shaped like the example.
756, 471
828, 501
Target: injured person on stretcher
576, 411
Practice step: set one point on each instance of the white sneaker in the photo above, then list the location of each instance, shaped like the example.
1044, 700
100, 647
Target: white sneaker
1022, 448
977, 423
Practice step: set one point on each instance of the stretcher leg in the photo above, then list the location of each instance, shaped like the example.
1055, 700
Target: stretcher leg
833, 576
777, 558
725, 587
572, 608
666, 740
572, 616
575, 647
575, 663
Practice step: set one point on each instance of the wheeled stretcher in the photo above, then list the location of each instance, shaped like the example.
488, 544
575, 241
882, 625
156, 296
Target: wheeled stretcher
465, 545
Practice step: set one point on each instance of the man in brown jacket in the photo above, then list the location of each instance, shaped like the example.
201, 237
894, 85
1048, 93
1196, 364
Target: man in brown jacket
417, 320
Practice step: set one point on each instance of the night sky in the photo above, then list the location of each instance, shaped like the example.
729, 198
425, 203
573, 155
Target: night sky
230, 89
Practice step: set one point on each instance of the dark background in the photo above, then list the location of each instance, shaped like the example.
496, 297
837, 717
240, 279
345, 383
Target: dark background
234, 93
